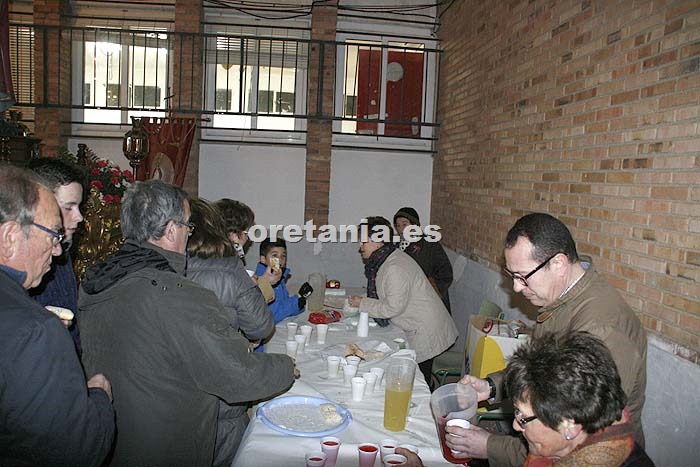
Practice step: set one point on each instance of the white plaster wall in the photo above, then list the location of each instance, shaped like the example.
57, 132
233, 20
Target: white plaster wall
270, 179
671, 414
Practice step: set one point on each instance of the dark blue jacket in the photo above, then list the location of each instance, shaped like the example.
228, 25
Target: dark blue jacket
284, 305
59, 288
47, 414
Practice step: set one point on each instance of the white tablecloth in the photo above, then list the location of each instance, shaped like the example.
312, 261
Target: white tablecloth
262, 446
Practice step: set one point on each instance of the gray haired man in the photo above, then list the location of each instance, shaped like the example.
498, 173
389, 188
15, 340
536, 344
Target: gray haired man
164, 340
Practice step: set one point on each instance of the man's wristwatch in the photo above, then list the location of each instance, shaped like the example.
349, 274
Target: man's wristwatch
492, 394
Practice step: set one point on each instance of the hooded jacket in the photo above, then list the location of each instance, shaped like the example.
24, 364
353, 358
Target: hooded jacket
170, 352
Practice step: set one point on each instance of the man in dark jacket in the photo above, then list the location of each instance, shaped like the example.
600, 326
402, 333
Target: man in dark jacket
49, 415
165, 341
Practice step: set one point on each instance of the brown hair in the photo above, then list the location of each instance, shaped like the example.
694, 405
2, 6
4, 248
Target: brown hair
209, 238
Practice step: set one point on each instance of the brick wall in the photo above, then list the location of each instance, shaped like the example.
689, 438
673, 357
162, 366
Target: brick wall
320, 105
54, 86
588, 110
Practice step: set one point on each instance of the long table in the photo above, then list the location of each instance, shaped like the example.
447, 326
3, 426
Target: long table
261, 446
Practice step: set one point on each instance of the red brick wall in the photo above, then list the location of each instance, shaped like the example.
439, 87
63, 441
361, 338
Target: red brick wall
588, 110
319, 130
52, 82
187, 77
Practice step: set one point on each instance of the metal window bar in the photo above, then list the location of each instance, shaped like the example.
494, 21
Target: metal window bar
289, 56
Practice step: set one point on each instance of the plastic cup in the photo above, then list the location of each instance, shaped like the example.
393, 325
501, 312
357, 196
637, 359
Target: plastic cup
379, 372
306, 332
460, 423
353, 360
368, 454
358, 385
451, 402
333, 365
393, 460
371, 379
301, 340
321, 331
387, 447
291, 331
330, 445
315, 459
292, 348
349, 373
399, 386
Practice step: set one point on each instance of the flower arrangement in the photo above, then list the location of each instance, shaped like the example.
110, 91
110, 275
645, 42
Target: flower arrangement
106, 177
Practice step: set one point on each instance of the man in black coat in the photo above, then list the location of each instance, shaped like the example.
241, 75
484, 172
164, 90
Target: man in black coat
49, 415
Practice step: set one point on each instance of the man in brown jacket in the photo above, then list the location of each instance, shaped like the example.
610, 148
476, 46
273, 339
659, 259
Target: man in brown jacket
541, 259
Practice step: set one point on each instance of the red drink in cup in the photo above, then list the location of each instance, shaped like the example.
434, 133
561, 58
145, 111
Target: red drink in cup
368, 454
330, 445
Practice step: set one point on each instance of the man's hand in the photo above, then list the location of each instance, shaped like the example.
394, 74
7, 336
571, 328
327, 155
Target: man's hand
412, 459
272, 276
297, 373
481, 386
100, 381
470, 442
354, 301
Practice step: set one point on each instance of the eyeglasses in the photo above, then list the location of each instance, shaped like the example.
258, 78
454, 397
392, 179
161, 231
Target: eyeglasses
518, 415
58, 235
523, 279
189, 225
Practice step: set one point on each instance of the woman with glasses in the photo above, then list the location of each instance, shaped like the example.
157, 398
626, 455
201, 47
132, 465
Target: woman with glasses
569, 405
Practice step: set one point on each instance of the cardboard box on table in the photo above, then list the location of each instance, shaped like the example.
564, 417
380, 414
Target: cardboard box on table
489, 346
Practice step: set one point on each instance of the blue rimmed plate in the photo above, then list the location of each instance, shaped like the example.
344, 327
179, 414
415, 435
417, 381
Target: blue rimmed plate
301, 416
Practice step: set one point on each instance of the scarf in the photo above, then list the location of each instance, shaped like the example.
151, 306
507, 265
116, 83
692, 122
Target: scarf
609, 447
130, 258
372, 266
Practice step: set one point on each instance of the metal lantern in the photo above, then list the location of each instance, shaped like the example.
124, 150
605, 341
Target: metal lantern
135, 145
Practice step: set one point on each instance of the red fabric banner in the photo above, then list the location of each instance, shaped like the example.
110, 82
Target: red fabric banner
170, 142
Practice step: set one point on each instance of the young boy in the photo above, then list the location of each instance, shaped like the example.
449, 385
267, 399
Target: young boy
284, 305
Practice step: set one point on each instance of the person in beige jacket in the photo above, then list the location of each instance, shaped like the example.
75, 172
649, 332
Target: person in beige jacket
397, 289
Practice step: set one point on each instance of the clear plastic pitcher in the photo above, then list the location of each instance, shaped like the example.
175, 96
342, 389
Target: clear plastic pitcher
399, 378
317, 281
449, 402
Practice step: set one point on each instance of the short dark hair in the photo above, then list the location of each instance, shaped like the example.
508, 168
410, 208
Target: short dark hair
547, 234
373, 222
208, 239
237, 216
268, 244
567, 375
56, 172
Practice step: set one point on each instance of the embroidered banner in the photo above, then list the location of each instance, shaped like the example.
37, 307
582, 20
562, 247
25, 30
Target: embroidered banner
170, 142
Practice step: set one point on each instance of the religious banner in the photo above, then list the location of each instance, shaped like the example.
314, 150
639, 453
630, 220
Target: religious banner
170, 142
7, 95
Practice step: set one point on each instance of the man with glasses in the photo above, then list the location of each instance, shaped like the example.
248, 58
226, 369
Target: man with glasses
59, 287
48, 416
165, 341
542, 260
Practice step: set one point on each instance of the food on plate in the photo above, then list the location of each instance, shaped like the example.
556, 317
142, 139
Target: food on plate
330, 413
275, 264
354, 349
325, 317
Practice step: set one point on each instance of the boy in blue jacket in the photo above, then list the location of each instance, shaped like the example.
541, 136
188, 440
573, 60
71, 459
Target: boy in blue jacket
275, 253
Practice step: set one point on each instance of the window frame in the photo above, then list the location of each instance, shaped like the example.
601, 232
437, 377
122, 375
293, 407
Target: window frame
429, 92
